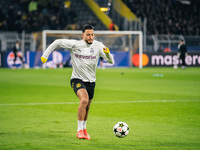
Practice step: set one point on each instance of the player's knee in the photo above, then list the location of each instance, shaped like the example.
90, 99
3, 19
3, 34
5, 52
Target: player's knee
88, 107
84, 101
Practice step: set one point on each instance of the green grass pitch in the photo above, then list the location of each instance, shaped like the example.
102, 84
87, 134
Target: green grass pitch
38, 109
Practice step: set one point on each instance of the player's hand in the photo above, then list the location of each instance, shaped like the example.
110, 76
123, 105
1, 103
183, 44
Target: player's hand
178, 55
43, 60
106, 50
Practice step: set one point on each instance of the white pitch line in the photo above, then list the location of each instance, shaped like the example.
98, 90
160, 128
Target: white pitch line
102, 102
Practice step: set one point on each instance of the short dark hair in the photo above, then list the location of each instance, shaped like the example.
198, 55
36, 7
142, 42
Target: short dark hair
87, 26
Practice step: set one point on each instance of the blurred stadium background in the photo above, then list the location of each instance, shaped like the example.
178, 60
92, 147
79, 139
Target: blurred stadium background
162, 22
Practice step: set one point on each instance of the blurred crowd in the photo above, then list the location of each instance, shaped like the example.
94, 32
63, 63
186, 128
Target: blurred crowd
163, 16
36, 15
168, 16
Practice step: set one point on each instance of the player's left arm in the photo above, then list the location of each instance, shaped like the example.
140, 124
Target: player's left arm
107, 55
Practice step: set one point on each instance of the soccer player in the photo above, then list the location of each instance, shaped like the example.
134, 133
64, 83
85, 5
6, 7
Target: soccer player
85, 54
182, 52
15, 50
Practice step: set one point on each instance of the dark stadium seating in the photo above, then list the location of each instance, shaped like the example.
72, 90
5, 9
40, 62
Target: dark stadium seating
163, 16
49, 14
168, 16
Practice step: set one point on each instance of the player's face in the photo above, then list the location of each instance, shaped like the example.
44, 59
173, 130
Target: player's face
88, 36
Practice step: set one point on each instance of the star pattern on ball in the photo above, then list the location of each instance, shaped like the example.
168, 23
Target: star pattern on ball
121, 124
115, 130
121, 129
123, 133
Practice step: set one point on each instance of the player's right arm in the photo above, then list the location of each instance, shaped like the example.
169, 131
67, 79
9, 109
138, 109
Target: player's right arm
49, 49
64, 43
179, 51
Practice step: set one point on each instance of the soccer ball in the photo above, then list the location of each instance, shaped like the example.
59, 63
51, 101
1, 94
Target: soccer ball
121, 129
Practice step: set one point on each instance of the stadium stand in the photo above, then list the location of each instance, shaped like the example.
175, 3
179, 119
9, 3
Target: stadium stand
165, 17
37, 15
168, 16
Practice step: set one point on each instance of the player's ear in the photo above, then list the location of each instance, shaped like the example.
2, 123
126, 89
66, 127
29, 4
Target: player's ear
82, 35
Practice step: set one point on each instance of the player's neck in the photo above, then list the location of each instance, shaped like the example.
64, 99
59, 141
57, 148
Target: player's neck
88, 45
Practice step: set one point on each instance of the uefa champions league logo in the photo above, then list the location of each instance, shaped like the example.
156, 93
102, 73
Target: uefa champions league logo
10, 60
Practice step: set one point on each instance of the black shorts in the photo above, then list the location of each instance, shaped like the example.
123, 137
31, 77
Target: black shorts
77, 84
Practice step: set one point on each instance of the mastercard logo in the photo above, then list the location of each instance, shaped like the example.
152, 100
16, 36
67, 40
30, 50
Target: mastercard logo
136, 60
